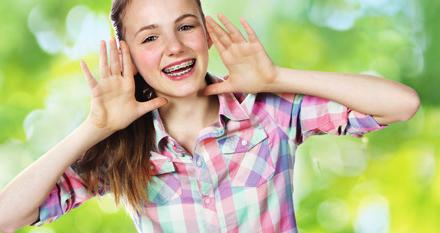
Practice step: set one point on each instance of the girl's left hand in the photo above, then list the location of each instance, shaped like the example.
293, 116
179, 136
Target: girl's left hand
250, 68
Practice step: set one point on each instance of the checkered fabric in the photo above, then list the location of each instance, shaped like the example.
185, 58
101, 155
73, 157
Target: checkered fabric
240, 176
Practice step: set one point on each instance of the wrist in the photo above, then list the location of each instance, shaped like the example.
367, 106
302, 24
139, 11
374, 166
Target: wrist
94, 132
278, 84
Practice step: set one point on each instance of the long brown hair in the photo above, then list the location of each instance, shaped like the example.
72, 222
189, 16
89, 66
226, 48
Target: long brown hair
121, 163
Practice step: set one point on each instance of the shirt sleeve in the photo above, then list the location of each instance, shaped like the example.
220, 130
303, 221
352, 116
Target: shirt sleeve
316, 116
69, 192
301, 116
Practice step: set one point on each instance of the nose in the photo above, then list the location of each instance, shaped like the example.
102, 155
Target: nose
175, 46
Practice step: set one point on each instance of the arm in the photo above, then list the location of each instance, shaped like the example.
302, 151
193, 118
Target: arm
112, 95
252, 71
387, 101
21, 198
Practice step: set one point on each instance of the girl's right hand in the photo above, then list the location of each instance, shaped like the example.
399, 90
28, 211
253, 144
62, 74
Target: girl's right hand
113, 105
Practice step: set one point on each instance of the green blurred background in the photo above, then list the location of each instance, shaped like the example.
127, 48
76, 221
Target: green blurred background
385, 182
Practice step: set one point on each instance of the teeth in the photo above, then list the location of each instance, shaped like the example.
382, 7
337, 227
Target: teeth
180, 73
180, 66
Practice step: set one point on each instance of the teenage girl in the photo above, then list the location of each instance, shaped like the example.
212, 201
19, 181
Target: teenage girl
184, 150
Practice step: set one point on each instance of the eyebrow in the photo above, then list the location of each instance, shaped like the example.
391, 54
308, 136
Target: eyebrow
154, 26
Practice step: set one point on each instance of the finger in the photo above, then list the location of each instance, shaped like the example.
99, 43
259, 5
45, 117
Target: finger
115, 66
120, 58
127, 65
104, 71
218, 88
250, 32
235, 34
218, 31
218, 45
151, 105
90, 80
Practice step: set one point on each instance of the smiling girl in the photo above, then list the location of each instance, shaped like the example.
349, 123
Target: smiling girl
186, 151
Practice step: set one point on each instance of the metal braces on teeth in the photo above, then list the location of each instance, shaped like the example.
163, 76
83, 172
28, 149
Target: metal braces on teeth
180, 73
183, 65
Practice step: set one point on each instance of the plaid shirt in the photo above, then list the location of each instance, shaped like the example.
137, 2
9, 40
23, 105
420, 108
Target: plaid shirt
239, 178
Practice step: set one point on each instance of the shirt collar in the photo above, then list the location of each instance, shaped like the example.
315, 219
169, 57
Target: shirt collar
159, 128
230, 107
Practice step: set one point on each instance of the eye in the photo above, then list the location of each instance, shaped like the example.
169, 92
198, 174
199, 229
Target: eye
186, 28
149, 39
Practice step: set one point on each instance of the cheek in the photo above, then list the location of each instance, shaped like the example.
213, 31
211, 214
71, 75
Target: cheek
198, 42
147, 60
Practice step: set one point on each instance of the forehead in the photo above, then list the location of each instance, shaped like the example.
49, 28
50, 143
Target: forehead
161, 12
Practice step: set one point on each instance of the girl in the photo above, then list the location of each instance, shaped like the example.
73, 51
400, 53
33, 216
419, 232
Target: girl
186, 151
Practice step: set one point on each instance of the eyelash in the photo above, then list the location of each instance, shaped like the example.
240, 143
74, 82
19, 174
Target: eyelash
187, 26
150, 38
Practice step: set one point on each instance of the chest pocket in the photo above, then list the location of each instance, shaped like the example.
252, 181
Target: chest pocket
248, 154
165, 184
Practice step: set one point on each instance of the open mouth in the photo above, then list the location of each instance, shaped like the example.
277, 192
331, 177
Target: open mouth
180, 69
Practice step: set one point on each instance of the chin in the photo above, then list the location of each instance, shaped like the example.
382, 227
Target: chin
181, 92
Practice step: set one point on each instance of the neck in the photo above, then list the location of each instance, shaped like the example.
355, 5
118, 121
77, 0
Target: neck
195, 112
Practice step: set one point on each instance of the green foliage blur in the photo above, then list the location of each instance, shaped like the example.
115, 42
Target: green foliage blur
385, 182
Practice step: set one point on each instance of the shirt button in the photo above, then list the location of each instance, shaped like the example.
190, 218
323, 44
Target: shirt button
207, 200
199, 162
244, 142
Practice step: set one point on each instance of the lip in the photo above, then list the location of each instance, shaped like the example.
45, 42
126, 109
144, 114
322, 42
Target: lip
177, 63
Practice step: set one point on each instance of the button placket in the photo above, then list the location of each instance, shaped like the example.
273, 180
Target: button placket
203, 176
199, 162
208, 200
244, 142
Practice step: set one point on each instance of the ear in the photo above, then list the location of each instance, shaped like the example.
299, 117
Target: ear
209, 42
208, 39
135, 70
133, 67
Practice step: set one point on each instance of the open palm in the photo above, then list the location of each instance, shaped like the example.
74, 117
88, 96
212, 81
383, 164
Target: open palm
113, 105
250, 68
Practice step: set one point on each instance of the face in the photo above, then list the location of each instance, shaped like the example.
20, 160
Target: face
169, 45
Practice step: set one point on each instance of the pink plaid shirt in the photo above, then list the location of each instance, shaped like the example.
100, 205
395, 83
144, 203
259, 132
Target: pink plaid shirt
239, 178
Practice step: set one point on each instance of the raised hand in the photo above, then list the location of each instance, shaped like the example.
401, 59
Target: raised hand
250, 68
113, 105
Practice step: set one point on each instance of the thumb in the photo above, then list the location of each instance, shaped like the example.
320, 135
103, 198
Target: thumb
150, 105
218, 88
